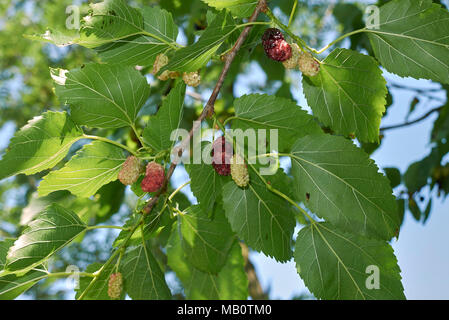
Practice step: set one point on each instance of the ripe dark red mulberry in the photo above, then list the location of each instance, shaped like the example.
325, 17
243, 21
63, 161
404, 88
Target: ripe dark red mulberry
221, 156
154, 177
275, 45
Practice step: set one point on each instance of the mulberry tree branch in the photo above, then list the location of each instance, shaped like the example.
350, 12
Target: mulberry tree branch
254, 287
208, 109
409, 123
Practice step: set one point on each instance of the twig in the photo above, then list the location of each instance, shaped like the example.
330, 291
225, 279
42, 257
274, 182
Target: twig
229, 57
254, 287
422, 92
408, 123
292, 13
404, 87
208, 109
195, 95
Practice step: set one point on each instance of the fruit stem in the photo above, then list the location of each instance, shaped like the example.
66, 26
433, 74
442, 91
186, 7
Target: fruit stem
170, 197
338, 40
229, 119
252, 24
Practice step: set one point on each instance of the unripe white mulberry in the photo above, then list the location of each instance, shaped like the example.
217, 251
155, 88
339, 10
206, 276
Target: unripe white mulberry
115, 286
160, 62
192, 79
131, 170
239, 171
292, 62
308, 65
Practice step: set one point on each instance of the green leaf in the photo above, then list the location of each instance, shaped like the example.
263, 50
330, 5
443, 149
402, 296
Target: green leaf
196, 56
143, 278
427, 211
412, 41
340, 183
93, 166
40, 145
110, 198
120, 34
257, 111
206, 184
230, 283
336, 265
239, 8
417, 174
440, 128
414, 208
158, 36
206, 242
103, 96
261, 218
4, 247
160, 127
394, 175
99, 290
56, 37
348, 94
153, 224
109, 21
11, 286
53, 229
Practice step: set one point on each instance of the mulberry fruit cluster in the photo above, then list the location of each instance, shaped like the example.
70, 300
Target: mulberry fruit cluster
221, 156
275, 45
160, 62
131, 170
290, 55
239, 171
154, 177
115, 286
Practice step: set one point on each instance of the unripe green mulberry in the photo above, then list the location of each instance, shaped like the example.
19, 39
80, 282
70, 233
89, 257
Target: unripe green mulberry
239, 171
308, 65
115, 286
131, 170
292, 62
